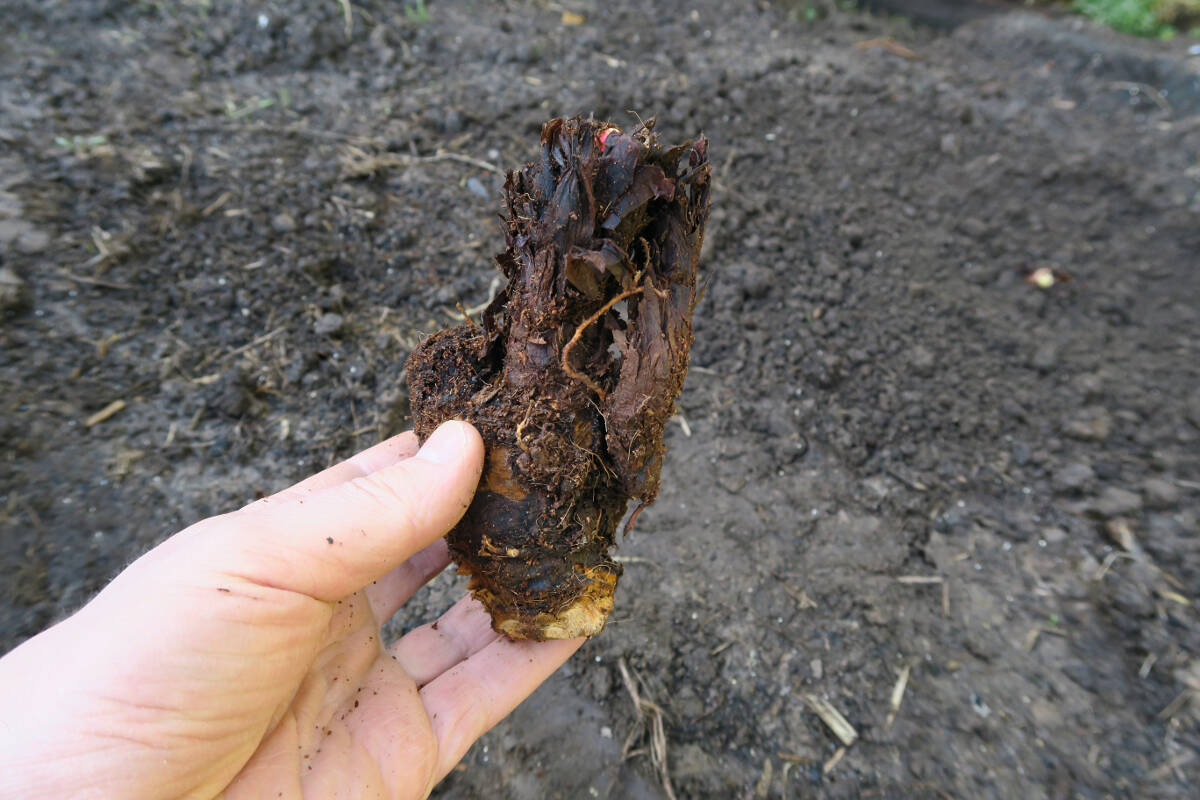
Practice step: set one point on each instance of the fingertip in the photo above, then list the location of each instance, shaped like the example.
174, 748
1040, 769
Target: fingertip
454, 441
559, 649
430, 491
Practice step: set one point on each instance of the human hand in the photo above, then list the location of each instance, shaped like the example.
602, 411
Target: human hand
242, 656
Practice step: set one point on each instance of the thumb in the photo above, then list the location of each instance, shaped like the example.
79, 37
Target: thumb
331, 543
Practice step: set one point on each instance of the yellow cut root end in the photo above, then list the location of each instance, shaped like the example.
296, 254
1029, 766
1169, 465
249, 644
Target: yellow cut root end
584, 616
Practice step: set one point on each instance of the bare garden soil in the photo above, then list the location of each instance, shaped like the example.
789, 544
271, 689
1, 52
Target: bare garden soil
962, 510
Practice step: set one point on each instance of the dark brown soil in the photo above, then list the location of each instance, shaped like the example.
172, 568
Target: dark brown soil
900, 458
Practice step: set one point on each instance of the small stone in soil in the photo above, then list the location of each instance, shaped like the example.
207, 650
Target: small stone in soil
1160, 493
974, 227
229, 395
1090, 385
1045, 357
1193, 410
451, 122
1092, 423
922, 360
827, 265
1114, 502
283, 223
820, 369
329, 325
14, 291
1073, 478
23, 237
476, 187
756, 281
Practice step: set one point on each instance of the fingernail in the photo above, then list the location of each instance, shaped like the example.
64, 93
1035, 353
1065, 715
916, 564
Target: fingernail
446, 445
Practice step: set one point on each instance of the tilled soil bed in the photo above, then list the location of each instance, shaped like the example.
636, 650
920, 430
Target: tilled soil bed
905, 479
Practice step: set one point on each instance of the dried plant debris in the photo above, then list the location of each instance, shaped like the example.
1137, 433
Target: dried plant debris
574, 372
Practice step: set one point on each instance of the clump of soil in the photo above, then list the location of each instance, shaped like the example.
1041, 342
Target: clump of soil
570, 391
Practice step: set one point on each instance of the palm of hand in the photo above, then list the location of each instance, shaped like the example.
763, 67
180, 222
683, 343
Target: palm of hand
242, 657
325, 723
363, 715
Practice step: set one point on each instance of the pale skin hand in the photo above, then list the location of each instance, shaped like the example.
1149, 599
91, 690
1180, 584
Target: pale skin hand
242, 657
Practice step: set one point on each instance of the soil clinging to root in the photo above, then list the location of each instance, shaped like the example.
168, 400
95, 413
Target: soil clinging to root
570, 391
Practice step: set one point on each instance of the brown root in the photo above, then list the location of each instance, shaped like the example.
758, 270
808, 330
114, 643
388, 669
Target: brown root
570, 395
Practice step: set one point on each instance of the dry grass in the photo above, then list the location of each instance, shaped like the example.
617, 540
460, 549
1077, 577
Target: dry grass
649, 720
359, 163
833, 719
